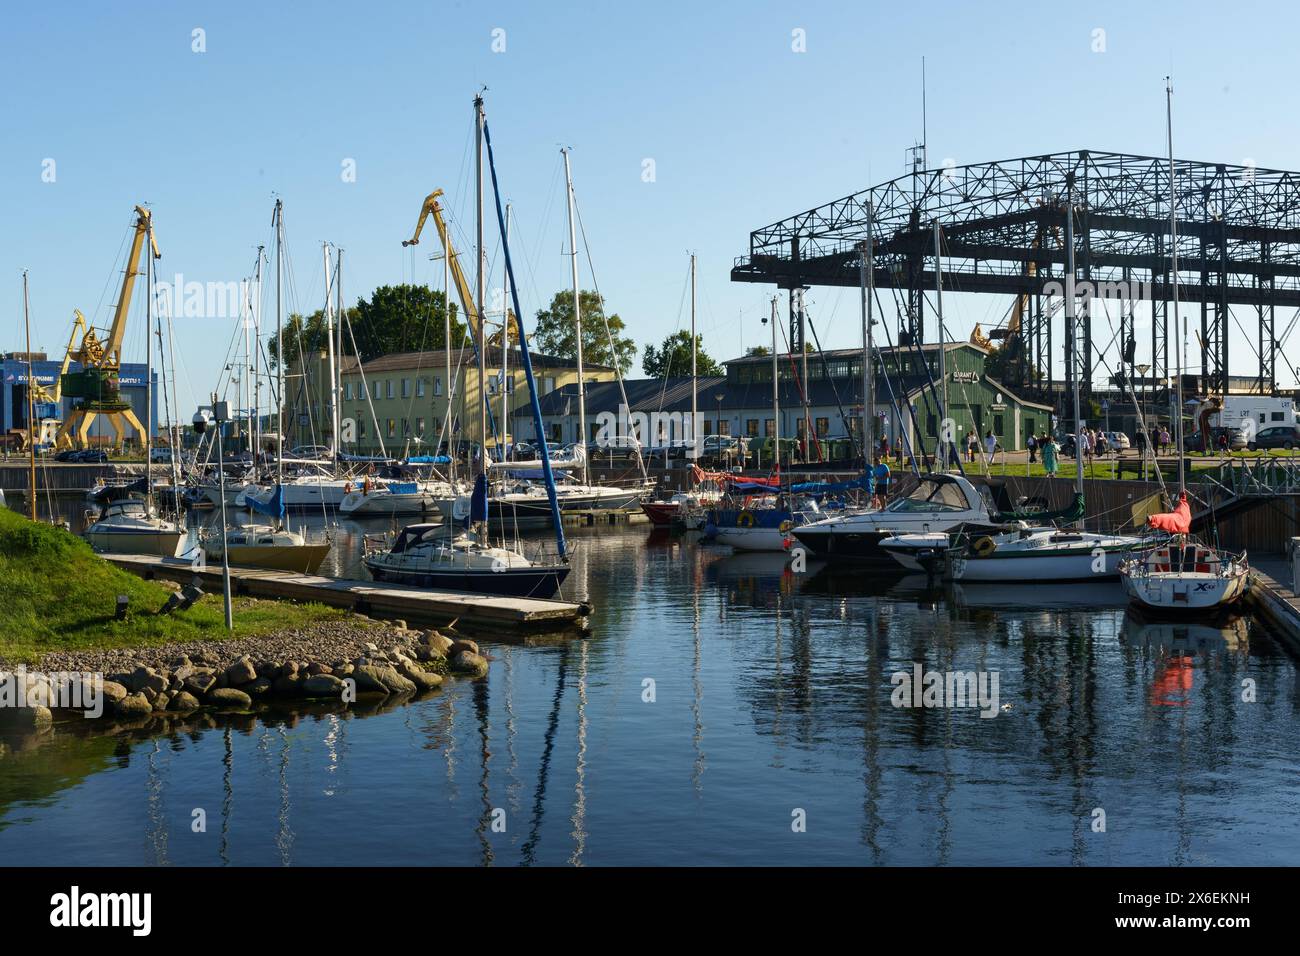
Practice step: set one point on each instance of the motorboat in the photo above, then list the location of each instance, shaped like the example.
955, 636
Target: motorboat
940, 503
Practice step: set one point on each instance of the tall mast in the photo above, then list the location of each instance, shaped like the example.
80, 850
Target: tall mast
505, 352
694, 398
279, 343
480, 280
1173, 271
329, 347
776, 400
867, 284
446, 347
337, 382
1072, 337
943, 365
577, 322
31, 407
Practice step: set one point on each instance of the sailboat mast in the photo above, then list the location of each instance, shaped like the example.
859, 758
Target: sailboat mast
336, 382
1072, 337
446, 347
577, 321
254, 360
505, 352
868, 320
480, 279
329, 345
279, 343
776, 399
695, 416
1173, 273
31, 407
943, 364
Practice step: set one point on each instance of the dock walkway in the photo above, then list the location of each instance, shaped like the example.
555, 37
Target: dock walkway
372, 598
1273, 598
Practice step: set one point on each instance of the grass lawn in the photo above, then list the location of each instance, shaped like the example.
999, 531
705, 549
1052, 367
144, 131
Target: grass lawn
57, 594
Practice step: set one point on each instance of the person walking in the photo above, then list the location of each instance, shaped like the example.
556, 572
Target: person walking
1050, 450
1032, 445
990, 445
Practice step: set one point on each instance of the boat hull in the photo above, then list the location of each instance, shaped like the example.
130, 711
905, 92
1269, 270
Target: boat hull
164, 544
1184, 594
534, 582
357, 505
753, 539
661, 513
858, 545
304, 559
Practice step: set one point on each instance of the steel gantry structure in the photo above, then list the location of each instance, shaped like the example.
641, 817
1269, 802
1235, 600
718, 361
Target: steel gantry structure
1003, 229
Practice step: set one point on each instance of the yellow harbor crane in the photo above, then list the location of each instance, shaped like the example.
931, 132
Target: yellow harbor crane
95, 386
431, 207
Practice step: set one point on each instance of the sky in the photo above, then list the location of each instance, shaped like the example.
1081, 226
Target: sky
131, 105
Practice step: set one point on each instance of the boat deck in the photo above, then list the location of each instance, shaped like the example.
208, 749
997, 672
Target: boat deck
372, 598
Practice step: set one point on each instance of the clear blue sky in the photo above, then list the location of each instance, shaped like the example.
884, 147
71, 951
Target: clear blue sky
743, 131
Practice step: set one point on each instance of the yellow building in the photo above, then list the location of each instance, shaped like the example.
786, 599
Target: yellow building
397, 404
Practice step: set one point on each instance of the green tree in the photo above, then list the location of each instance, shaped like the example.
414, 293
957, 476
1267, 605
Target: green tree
758, 350
556, 334
673, 357
402, 318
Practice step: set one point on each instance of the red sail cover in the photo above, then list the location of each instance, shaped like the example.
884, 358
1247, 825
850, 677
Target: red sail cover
1178, 521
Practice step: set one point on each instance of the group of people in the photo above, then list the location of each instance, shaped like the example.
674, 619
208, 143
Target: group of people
973, 445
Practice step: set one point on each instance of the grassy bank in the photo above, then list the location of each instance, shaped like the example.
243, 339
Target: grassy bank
56, 594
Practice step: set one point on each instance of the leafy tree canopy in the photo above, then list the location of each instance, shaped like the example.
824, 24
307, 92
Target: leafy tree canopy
556, 333
673, 357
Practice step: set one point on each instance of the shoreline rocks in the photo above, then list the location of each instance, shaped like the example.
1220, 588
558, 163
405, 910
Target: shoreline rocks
341, 665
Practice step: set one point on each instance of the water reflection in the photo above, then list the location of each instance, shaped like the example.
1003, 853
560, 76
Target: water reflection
773, 693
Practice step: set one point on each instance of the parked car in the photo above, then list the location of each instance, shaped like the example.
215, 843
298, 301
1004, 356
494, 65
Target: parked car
316, 452
68, 455
90, 456
1279, 436
1118, 441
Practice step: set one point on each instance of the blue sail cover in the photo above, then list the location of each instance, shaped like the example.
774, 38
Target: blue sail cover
428, 460
274, 506
403, 487
861, 483
478, 502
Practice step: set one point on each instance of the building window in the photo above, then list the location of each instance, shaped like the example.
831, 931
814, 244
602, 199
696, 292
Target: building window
379, 389
823, 427
419, 388
997, 425
419, 426
406, 388
751, 427
769, 428
392, 428
724, 426
347, 391
437, 386
406, 429
361, 426
556, 435
389, 385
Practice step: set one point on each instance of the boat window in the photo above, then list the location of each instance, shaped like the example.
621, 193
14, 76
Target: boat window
931, 496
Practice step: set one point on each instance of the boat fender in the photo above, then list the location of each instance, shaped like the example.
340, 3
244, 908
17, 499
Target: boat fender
746, 520
785, 528
983, 546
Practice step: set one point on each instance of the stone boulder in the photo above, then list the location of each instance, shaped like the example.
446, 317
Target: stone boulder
199, 683
422, 679
372, 678
322, 685
241, 672
113, 691
471, 663
143, 677
229, 697
183, 702
257, 687
133, 705
462, 645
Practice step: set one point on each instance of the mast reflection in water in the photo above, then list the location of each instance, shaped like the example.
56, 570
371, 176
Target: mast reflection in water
716, 697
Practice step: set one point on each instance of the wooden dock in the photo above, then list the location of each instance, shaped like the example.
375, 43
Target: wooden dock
480, 612
1272, 598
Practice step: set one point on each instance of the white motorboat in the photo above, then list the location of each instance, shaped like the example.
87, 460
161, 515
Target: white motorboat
1022, 553
301, 493
939, 503
130, 526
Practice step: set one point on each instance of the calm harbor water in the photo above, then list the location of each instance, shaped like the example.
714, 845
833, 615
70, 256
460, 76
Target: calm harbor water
771, 703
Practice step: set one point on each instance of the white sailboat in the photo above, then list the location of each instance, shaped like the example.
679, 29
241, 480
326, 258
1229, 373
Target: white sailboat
1182, 575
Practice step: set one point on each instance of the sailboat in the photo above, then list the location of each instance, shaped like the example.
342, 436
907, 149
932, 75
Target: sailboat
266, 545
428, 555
129, 525
1181, 575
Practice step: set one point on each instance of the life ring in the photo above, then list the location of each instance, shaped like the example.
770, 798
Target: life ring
983, 546
746, 520
785, 527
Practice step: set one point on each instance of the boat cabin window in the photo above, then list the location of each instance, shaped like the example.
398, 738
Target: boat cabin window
932, 496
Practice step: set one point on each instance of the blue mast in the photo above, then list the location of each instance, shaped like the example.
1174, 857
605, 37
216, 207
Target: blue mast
525, 358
